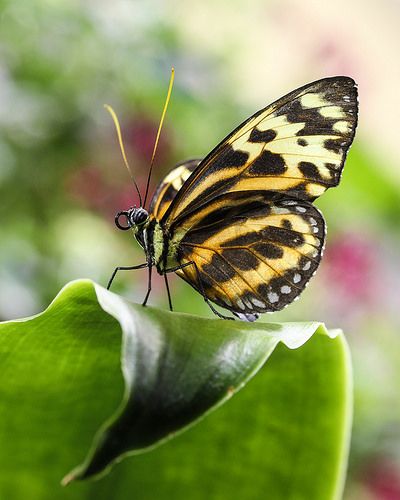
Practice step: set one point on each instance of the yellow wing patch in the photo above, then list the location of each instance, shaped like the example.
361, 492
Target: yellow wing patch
169, 187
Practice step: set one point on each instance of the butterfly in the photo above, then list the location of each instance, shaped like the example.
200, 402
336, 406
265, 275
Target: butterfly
239, 225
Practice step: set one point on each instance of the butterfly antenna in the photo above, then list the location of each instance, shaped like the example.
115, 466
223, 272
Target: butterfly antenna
121, 146
171, 82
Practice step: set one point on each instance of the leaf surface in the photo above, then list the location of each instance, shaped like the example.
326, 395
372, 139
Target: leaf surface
61, 380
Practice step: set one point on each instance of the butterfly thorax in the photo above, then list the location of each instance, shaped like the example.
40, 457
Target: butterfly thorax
162, 246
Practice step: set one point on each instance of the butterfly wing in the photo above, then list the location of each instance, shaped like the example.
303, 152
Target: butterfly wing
169, 187
254, 252
297, 145
244, 216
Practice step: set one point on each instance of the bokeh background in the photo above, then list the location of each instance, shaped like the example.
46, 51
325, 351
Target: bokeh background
62, 178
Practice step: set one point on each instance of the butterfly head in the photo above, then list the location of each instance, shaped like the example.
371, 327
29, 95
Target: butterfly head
135, 218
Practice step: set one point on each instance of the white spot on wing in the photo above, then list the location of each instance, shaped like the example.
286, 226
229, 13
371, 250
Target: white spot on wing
307, 265
286, 289
296, 278
281, 211
341, 126
301, 209
273, 297
240, 304
258, 303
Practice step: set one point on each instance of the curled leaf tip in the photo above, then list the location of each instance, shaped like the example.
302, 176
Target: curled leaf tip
71, 476
67, 479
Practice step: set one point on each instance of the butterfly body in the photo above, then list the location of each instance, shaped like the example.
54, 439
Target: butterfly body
240, 225
161, 248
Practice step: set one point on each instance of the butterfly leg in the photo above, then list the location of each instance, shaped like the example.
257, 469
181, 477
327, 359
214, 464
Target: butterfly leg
150, 267
124, 268
217, 313
201, 289
168, 292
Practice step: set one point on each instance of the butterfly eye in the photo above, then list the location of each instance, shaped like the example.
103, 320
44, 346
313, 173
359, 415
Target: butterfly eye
127, 220
138, 216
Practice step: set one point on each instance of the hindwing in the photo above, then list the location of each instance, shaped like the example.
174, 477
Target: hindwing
169, 187
254, 252
297, 146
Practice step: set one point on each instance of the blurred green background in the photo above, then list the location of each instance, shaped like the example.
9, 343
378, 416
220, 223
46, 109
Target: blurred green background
62, 178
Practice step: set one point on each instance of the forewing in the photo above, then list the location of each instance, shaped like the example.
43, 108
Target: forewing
296, 145
169, 187
253, 253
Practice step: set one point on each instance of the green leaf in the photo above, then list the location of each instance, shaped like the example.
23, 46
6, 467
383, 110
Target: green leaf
60, 380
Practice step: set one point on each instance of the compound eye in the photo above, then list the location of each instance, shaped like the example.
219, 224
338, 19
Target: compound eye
124, 215
139, 216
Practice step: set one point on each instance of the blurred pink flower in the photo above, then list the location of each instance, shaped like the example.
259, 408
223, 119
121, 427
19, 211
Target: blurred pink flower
140, 134
350, 265
89, 187
97, 187
382, 479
